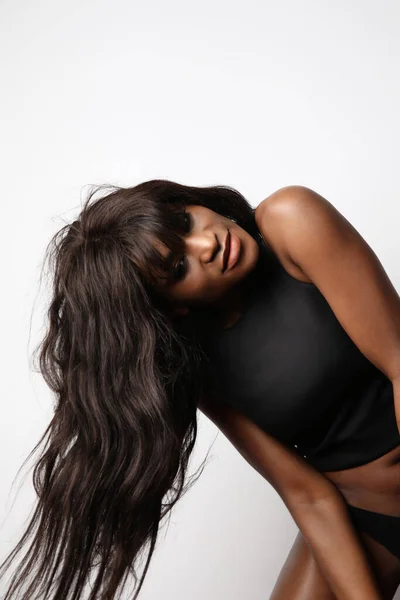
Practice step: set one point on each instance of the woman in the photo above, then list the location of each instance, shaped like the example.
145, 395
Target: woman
278, 322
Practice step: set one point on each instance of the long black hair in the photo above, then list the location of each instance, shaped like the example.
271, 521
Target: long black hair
127, 380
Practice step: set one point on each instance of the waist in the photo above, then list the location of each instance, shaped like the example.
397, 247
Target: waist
372, 486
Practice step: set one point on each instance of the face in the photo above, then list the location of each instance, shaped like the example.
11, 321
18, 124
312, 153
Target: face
199, 277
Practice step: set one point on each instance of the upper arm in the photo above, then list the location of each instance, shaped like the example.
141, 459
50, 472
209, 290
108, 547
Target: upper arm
318, 239
296, 481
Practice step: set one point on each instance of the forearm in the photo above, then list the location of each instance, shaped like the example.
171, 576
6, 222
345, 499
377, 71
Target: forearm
338, 552
315, 503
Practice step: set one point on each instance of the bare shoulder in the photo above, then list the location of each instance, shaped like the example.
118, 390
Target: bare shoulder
279, 215
270, 219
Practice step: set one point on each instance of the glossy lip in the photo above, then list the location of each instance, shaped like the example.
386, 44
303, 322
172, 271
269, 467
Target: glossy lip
226, 251
235, 252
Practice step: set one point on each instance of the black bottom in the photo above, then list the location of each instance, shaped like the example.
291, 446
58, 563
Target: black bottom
385, 529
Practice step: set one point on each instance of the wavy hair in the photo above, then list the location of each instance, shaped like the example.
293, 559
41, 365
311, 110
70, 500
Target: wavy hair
127, 380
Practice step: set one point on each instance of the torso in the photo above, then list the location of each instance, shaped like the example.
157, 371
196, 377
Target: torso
375, 485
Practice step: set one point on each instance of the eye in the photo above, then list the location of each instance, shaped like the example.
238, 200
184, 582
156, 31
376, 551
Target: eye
180, 267
179, 270
187, 219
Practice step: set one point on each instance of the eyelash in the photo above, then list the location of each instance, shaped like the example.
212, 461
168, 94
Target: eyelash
176, 274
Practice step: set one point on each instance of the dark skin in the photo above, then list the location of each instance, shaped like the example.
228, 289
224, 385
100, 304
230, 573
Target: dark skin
376, 485
202, 280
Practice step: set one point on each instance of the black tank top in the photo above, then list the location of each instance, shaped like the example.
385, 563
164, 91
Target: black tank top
289, 365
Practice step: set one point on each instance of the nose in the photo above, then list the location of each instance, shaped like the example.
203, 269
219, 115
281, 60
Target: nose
202, 246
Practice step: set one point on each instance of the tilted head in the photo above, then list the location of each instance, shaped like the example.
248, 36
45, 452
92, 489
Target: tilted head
173, 238
203, 270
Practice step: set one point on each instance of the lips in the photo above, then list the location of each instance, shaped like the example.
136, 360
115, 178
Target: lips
226, 250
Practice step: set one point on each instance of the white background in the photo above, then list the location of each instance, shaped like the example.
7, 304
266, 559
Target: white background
256, 95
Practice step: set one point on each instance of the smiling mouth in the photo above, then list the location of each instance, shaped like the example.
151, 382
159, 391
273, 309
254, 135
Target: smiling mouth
226, 251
